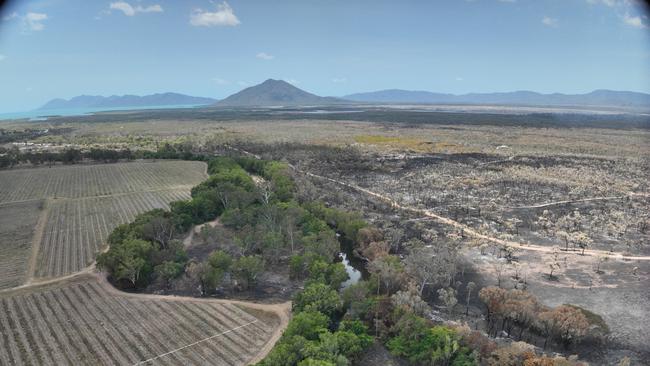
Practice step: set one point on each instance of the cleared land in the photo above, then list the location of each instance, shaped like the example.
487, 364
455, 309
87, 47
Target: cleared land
57, 219
87, 322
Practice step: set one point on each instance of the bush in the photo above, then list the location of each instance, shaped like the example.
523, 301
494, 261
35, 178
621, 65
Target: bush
307, 324
422, 344
247, 268
318, 297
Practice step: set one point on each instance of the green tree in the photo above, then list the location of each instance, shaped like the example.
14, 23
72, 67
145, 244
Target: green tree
307, 324
168, 270
318, 297
127, 261
247, 268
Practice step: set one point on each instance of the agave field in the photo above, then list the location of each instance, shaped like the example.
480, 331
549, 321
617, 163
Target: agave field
55, 220
87, 322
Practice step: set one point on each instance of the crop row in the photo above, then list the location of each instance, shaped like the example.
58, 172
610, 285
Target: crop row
97, 180
17, 222
76, 230
82, 324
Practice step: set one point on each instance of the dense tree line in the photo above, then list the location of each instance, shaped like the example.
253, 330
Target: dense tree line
13, 156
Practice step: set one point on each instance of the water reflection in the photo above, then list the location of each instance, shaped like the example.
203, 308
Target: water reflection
353, 273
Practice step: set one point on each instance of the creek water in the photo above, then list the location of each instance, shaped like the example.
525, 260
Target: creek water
354, 266
354, 274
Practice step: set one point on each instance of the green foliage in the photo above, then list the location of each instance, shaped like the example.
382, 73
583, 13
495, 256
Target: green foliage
307, 341
314, 362
318, 297
287, 352
297, 266
218, 263
168, 270
139, 247
331, 274
128, 261
346, 223
307, 324
422, 344
322, 244
247, 268
279, 176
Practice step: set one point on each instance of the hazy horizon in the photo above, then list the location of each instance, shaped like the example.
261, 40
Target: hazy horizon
60, 49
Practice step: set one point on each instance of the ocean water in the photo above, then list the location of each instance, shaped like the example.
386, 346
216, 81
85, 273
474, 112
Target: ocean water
42, 114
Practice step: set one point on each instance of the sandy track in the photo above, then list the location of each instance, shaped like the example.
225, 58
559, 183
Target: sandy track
36, 241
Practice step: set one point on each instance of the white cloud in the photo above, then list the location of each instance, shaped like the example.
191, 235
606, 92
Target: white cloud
224, 16
508, 1
459, 78
155, 8
124, 7
340, 80
623, 8
2, 57
550, 22
243, 83
292, 81
130, 11
34, 21
264, 56
634, 21
221, 81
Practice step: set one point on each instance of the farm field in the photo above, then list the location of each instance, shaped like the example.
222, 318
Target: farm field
17, 221
77, 181
59, 218
87, 322
76, 229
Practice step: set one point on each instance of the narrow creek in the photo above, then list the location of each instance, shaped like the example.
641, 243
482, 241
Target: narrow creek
354, 266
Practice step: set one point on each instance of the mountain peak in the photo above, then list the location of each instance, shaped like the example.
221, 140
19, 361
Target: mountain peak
273, 92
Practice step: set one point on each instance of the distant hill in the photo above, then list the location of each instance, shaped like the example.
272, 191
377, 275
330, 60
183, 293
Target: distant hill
595, 98
96, 101
275, 93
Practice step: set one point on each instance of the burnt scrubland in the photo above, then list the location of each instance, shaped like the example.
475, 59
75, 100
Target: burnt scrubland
471, 243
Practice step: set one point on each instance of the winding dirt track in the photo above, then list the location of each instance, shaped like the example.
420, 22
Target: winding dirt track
466, 229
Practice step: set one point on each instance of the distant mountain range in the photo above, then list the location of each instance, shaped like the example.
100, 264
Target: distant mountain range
281, 93
595, 98
96, 101
275, 93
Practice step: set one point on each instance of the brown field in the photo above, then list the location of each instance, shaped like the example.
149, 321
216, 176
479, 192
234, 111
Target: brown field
17, 221
87, 322
57, 219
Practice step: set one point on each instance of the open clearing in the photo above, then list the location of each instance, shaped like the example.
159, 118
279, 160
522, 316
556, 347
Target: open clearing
57, 219
86, 321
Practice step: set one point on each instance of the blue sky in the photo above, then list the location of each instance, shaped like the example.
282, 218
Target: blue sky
63, 48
